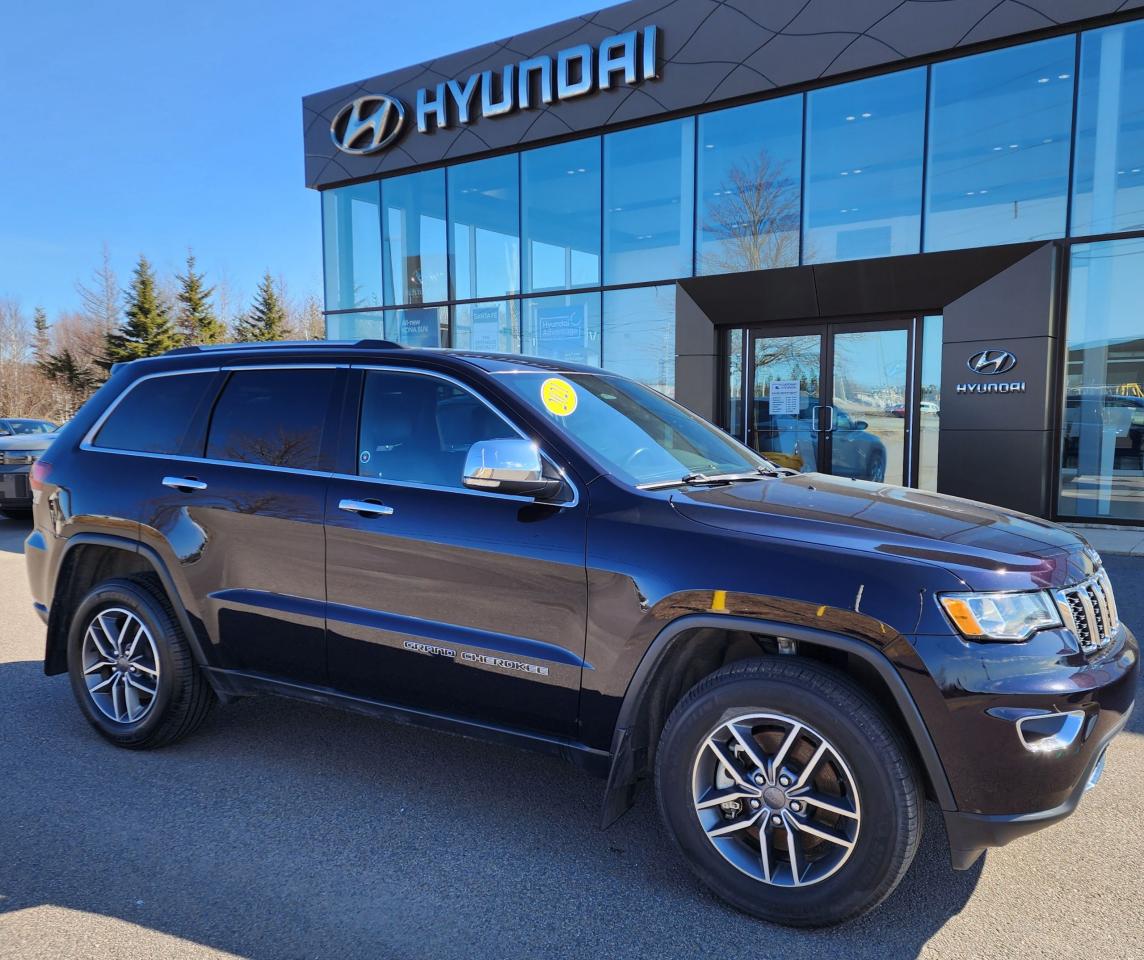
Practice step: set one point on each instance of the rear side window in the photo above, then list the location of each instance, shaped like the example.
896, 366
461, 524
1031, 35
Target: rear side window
274, 417
155, 415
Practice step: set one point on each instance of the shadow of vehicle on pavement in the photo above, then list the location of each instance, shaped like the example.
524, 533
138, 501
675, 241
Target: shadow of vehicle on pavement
285, 829
13, 532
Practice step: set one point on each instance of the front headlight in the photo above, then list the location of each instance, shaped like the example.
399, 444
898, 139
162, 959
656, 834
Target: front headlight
1000, 616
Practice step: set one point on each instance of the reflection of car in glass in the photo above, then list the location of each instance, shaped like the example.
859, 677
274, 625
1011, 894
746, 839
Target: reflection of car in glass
926, 406
791, 442
551, 555
1117, 417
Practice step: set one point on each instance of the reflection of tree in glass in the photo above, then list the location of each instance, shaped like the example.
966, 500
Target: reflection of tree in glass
787, 358
287, 449
754, 218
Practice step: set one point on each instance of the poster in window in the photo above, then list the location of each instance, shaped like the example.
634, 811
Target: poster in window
485, 331
783, 398
560, 332
419, 328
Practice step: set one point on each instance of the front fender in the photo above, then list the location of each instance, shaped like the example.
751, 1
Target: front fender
841, 630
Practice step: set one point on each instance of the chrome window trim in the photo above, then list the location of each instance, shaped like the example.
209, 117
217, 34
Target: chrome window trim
87, 443
392, 368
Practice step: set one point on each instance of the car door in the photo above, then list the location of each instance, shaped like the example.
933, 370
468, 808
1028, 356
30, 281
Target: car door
465, 603
241, 520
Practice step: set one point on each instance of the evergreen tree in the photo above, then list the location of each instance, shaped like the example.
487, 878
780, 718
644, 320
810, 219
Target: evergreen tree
147, 330
41, 341
196, 319
266, 319
76, 378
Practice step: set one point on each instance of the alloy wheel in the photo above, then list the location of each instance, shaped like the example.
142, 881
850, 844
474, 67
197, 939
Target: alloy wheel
776, 799
120, 665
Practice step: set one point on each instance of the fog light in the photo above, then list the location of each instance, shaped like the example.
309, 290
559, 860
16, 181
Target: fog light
1048, 732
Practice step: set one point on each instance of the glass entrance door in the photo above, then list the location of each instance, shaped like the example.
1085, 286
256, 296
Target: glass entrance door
834, 398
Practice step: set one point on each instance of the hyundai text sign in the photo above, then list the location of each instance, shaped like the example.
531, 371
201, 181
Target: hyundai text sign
371, 123
992, 363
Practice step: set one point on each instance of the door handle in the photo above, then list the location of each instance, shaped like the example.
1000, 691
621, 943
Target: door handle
367, 508
816, 418
185, 484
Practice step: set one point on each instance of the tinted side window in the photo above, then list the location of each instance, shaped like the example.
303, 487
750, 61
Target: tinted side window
271, 416
155, 415
418, 429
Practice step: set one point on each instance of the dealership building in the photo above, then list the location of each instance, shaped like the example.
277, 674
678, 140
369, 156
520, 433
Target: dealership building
883, 239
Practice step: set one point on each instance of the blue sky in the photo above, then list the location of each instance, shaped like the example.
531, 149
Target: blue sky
157, 126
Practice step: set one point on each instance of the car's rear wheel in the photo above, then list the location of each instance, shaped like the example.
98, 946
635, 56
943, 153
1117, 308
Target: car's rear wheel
876, 467
788, 792
131, 668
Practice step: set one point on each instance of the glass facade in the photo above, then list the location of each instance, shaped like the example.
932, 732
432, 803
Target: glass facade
750, 186
649, 184
1102, 429
999, 146
864, 144
560, 215
351, 246
415, 238
1108, 185
639, 335
484, 216
569, 251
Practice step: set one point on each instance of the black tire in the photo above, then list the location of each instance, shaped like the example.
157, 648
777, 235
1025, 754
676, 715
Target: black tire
876, 467
880, 764
183, 697
16, 513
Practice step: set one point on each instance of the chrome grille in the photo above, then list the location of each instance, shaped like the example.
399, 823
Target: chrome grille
1089, 611
12, 458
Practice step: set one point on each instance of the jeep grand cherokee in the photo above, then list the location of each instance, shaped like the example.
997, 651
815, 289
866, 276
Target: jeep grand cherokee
558, 557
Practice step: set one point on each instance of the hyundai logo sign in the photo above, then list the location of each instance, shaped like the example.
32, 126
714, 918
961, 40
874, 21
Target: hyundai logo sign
371, 123
368, 124
992, 362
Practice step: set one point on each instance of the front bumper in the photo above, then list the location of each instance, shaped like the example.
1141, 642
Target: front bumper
970, 834
14, 489
978, 699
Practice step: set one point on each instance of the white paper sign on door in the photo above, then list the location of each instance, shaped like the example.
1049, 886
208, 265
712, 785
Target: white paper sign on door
783, 398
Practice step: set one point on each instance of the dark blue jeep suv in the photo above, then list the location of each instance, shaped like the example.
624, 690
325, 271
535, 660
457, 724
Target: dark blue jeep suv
554, 556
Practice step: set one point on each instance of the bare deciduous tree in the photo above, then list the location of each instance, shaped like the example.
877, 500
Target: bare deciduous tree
754, 219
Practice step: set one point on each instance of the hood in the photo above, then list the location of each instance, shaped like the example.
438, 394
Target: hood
28, 441
989, 548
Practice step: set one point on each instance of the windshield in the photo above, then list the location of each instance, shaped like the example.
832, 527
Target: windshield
19, 427
641, 436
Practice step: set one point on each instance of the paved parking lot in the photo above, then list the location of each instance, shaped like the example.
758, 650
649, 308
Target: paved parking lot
285, 830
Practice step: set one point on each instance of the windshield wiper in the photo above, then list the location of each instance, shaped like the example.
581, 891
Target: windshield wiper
699, 479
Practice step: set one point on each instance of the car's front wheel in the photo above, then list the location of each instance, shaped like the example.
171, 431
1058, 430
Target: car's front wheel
131, 668
788, 792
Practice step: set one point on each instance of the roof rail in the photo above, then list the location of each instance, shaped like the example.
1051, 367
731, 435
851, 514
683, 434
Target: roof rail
274, 344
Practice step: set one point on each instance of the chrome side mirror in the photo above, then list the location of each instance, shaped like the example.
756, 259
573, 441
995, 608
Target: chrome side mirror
508, 466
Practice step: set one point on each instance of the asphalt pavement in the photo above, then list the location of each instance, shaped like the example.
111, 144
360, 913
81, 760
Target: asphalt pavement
286, 830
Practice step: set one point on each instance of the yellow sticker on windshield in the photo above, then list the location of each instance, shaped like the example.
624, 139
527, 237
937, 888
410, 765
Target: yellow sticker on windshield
558, 396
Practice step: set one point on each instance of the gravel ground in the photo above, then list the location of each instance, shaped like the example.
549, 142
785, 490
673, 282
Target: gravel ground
286, 830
